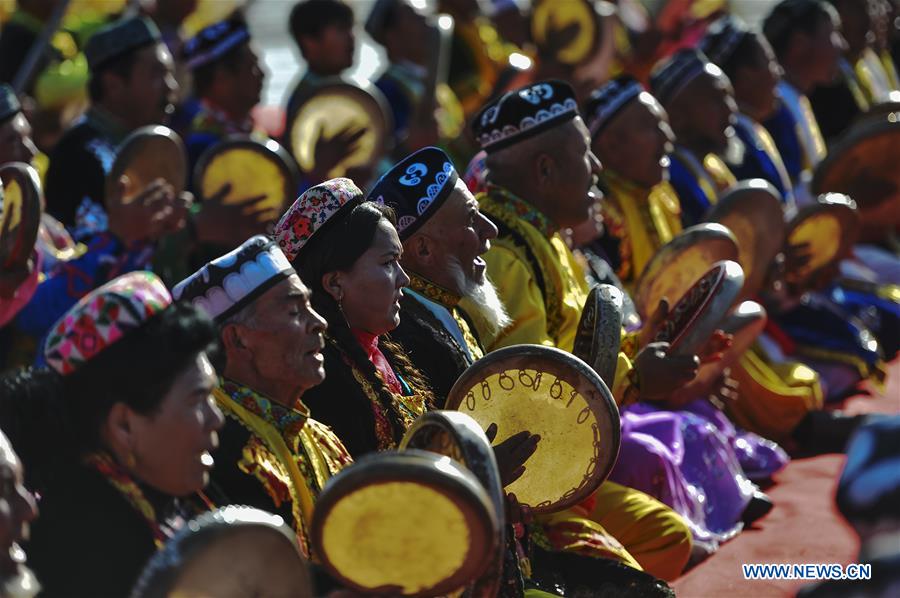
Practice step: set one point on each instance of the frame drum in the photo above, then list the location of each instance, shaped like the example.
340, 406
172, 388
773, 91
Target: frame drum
680, 263
695, 317
253, 169
830, 228
20, 213
231, 552
149, 153
408, 523
334, 106
552, 393
600, 331
863, 164
577, 24
752, 212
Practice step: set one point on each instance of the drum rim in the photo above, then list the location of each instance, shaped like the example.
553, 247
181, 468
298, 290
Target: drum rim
705, 232
569, 368
412, 466
615, 301
28, 180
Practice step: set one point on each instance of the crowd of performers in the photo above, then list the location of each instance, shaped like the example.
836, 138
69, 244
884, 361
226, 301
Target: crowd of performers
165, 353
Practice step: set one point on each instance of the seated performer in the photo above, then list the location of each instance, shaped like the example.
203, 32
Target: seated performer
272, 455
16, 579
805, 37
228, 82
131, 86
403, 30
746, 58
115, 435
348, 253
698, 99
441, 253
540, 172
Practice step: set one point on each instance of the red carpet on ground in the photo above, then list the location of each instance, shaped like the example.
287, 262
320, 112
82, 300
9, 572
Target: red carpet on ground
803, 527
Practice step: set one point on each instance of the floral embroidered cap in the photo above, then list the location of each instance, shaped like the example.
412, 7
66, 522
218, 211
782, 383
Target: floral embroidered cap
608, 100
229, 283
723, 38
415, 188
103, 317
312, 211
523, 113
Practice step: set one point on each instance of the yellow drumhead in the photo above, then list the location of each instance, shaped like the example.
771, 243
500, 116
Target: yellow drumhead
331, 110
20, 213
12, 207
553, 394
823, 234
376, 544
552, 16
252, 172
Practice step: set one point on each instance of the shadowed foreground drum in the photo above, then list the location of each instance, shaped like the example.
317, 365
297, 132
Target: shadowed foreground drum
753, 213
20, 214
232, 552
258, 170
600, 331
410, 523
556, 395
149, 153
458, 436
680, 263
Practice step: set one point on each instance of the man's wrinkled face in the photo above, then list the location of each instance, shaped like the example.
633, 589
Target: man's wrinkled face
151, 90
457, 235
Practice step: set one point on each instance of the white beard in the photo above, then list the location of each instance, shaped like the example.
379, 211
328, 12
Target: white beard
484, 297
23, 585
734, 154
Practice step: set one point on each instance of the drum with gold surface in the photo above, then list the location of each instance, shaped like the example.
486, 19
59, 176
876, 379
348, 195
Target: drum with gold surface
258, 171
334, 107
569, 31
680, 263
147, 154
232, 552
557, 396
600, 331
828, 229
408, 523
752, 212
20, 214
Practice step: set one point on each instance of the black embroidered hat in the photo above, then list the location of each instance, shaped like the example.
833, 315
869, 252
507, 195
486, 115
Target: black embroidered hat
672, 75
9, 103
522, 113
415, 188
215, 40
608, 100
723, 38
229, 283
118, 38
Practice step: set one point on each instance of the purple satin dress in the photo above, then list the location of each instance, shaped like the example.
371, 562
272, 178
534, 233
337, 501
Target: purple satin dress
697, 463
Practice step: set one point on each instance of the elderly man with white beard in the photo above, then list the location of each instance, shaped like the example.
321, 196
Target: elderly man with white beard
444, 235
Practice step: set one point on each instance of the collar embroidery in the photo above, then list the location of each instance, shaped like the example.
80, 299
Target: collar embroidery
522, 209
433, 291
